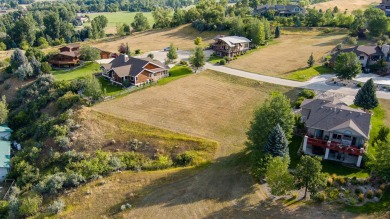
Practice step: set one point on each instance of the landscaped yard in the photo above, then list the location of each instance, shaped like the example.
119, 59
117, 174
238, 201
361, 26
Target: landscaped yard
175, 73
289, 53
108, 88
115, 18
82, 71
182, 37
308, 73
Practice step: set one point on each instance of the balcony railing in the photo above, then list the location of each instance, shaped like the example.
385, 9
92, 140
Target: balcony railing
354, 150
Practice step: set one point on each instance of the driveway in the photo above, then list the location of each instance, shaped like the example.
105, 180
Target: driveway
316, 83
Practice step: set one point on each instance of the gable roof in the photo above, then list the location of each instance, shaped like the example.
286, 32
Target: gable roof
76, 45
70, 54
331, 114
288, 8
124, 66
5, 153
232, 40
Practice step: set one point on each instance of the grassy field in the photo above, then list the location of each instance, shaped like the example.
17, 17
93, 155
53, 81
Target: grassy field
290, 52
175, 73
115, 18
67, 75
349, 5
308, 73
152, 40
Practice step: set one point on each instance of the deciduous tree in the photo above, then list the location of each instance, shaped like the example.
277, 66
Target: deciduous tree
88, 53
140, 22
3, 110
198, 58
172, 53
278, 177
308, 175
347, 65
380, 163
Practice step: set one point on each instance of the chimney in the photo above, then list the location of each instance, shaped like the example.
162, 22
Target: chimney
125, 58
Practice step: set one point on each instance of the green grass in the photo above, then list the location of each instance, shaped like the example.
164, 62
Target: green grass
308, 73
215, 59
377, 121
369, 208
175, 73
293, 150
68, 75
121, 17
109, 88
337, 168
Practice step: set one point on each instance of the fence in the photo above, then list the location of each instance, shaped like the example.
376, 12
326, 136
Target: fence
12, 182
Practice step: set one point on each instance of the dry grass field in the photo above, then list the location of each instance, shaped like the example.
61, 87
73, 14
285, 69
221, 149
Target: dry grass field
211, 105
290, 52
350, 5
182, 37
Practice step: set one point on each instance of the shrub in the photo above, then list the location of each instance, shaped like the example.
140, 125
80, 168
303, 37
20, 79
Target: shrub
378, 193
29, 205
222, 62
351, 40
358, 191
162, 162
45, 67
137, 51
62, 141
354, 181
308, 94
360, 84
73, 180
382, 186
52, 184
341, 180
4, 207
67, 101
370, 194
298, 102
182, 62
189, 158
132, 160
361, 197
151, 55
334, 194
56, 207
320, 197
329, 181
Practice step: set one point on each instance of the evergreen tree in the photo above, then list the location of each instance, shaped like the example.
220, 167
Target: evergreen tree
172, 53
277, 32
277, 144
128, 52
311, 61
366, 96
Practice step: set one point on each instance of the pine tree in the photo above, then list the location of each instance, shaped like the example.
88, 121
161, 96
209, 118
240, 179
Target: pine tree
311, 61
366, 96
277, 32
128, 52
277, 144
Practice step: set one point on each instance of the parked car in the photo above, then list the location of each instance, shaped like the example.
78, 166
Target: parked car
167, 48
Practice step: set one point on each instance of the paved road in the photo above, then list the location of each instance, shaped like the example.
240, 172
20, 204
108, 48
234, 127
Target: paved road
317, 83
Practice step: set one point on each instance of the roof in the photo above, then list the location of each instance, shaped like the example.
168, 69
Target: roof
124, 66
361, 50
70, 54
332, 114
76, 45
5, 153
232, 40
289, 8
4, 128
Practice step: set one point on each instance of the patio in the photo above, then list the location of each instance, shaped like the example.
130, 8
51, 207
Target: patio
333, 155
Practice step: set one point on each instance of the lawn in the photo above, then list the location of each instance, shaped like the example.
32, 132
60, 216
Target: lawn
215, 59
293, 147
289, 52
68, 75
109, 89
115, 18
175, 73
308, 73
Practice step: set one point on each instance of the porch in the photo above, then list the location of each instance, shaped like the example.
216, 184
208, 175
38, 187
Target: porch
331, 150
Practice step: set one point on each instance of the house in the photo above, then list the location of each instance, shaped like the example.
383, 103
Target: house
5, 156
279, 10
334, 130
134, 71
385, 6
82, 18
5, 132
69, 56
367, 55
105, 54
230, 45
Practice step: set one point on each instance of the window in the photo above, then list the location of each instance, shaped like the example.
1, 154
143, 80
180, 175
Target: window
131, 78
336, 136
361, 57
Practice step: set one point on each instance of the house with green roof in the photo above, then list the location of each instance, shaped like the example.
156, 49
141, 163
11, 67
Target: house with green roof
5, 157
5, 132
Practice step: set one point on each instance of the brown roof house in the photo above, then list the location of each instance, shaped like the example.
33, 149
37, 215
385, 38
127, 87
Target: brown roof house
230, 45
367, 55
279, 10
334, 130
69, 56
127, 71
